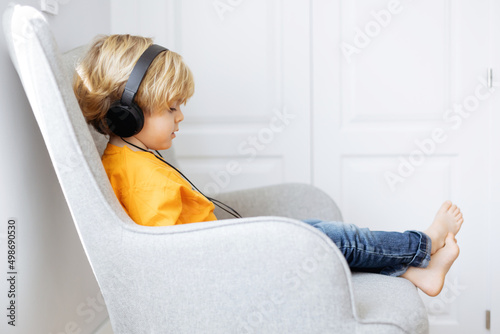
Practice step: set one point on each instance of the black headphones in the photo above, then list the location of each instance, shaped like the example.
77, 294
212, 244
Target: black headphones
125, 118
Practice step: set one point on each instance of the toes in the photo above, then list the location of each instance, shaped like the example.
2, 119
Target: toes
445, 206
452, 209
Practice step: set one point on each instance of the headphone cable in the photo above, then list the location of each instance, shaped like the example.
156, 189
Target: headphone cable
218, 203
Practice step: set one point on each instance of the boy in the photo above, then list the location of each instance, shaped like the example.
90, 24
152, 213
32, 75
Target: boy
154, 193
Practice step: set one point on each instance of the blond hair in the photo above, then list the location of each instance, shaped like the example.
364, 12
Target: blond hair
101, 76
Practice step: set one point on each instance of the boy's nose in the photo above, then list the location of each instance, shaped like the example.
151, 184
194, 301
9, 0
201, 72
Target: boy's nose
180, 116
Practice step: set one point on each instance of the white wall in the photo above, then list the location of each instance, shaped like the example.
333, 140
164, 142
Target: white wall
56, 290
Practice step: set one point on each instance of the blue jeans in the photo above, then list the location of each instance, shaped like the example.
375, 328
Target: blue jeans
387, 253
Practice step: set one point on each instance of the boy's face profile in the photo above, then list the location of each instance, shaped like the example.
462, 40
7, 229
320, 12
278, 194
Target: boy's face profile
160, 127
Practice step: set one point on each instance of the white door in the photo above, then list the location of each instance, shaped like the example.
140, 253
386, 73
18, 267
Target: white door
494, 230
248, 123
401, 122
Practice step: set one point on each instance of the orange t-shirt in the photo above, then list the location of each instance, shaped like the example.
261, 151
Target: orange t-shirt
151, 192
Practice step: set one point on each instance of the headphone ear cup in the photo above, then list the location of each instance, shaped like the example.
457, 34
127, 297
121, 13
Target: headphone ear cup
125, 121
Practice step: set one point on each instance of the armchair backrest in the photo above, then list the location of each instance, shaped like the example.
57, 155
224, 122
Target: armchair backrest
188, 278
70, 143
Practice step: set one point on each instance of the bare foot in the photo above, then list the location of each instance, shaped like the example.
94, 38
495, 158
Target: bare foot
448, 219
431, 279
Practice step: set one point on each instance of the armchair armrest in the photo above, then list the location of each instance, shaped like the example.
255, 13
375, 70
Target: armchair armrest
252, 275
292, 200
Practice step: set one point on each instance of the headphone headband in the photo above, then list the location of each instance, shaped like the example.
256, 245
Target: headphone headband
125, 118
139, 72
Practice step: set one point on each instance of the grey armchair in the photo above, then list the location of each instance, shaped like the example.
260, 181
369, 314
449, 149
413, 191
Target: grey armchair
264, 274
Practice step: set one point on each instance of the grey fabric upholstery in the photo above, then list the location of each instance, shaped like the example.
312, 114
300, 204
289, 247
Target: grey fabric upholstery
262, 274
282, 200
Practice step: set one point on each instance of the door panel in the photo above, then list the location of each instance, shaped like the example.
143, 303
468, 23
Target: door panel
251, 109
401, 123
